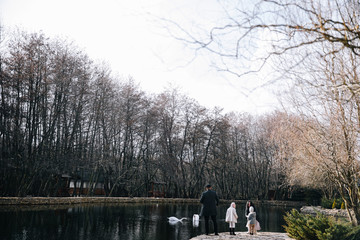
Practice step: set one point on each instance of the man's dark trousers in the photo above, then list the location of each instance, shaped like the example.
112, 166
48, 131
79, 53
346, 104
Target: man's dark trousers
213, 218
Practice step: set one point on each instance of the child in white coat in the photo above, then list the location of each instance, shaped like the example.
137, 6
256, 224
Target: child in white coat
231, 218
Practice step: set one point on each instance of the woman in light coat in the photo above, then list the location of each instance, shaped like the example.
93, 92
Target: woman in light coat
231, 218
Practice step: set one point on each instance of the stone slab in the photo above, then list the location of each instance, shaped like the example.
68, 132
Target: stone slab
244, 235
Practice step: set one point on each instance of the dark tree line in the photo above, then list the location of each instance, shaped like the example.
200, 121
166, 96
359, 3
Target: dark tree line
61, 112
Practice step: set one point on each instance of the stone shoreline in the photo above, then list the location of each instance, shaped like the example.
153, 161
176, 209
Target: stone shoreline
313, 210
246, 236
95, 200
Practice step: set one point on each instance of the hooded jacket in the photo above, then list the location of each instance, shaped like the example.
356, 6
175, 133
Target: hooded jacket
231, 215
251, 216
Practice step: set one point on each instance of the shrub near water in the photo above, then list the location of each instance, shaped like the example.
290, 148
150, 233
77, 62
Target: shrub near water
331, 203
354, 234
326, 203
307, 227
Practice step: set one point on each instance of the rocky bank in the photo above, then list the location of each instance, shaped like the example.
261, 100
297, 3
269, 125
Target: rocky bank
244, 235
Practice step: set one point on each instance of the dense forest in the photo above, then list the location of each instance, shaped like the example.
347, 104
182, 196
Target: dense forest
61, 113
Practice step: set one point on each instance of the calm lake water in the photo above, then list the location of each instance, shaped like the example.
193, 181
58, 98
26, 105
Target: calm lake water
122, 221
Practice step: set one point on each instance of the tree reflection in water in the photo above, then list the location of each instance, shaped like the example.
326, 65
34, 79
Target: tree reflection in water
122, 221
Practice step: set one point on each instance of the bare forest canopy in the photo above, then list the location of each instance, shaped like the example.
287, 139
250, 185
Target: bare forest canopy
63, 115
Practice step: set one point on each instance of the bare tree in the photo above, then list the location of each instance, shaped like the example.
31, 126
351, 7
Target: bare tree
327, 145
314, 45
251, 34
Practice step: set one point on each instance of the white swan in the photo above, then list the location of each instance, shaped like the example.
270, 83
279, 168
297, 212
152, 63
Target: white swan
175, 219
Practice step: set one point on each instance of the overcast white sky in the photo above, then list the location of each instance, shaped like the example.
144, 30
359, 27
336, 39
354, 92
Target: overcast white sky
126, 35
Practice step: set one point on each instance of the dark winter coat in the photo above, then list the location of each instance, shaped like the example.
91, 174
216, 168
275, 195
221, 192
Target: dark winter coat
210, 200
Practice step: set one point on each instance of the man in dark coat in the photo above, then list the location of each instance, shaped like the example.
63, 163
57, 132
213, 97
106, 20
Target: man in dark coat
210, 200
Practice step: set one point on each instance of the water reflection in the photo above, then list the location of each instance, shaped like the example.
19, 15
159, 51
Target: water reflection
123, 221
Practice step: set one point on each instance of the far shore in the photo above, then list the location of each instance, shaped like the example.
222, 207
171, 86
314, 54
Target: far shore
28, 201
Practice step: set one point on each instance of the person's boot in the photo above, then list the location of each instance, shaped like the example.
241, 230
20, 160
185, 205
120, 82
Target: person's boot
230, 230
233, 231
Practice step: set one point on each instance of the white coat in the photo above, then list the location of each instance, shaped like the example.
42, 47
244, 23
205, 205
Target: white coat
231, 215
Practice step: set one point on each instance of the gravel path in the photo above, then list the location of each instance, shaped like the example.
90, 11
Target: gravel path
244, 235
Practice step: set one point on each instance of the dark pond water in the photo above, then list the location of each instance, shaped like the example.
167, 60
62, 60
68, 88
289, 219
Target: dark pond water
123, 221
